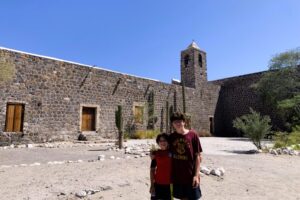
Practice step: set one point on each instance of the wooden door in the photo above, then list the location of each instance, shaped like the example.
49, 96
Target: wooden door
14, 118
88, 117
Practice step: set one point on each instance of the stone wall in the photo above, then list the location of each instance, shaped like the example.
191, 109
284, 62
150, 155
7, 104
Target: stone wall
54, 91
236, 97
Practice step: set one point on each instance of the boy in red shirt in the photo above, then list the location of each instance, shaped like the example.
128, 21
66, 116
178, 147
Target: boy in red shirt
160, 172
186, 157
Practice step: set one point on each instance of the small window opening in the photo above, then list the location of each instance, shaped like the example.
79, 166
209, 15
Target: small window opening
200, 60
186, 61
139, 114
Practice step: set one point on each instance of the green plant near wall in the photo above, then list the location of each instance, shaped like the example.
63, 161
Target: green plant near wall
167, 116
119, 124
144, 134
171, 111
151, 118
162, 119
183, 98
285, 139
254, 126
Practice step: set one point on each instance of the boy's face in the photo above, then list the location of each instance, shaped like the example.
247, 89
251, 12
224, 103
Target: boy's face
178, 124
163, 143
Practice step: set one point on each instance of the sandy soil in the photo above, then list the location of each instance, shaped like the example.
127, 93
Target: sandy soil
248, 176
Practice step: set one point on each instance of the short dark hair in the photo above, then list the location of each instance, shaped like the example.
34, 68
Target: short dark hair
162, 135
177, 116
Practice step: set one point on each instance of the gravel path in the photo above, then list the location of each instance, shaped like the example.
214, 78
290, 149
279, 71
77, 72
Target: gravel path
248, 176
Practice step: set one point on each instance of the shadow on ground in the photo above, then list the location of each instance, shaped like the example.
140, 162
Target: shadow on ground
240, 139
245, 152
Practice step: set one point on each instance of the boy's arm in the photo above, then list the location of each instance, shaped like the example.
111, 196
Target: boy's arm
197, 163
152, 171
151, 180
198, 159
196, 179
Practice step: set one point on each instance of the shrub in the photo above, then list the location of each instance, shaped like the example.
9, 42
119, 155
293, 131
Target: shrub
142, 134
284, 139
254, 126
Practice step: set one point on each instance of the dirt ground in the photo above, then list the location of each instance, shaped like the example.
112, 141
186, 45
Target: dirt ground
248, 176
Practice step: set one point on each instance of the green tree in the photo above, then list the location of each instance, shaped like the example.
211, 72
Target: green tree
280, 86
254, 126
290, 110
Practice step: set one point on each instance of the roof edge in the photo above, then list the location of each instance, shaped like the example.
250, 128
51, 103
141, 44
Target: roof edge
76, 63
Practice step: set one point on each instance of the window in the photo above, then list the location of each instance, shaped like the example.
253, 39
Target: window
88, 119
186, 60
200, 60
14, 118
138, 114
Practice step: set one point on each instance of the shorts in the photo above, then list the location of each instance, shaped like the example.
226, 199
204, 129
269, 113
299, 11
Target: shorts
162, 192
182, 191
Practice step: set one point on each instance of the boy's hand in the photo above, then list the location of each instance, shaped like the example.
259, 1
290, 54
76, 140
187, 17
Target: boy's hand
152, 155
196, 181
152, 189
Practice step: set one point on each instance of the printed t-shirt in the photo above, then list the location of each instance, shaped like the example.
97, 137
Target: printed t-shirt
184, 147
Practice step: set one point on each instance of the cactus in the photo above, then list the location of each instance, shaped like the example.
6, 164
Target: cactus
175, 101
183, 98
167, 115
171, 111
151, 118
119, 124
162, 120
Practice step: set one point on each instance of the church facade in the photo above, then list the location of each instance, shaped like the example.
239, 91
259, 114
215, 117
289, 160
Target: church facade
46, 99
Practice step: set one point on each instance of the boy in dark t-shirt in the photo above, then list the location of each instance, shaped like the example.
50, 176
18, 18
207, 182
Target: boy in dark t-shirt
186, 157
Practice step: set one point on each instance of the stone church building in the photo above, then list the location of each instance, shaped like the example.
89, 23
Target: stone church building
47, 99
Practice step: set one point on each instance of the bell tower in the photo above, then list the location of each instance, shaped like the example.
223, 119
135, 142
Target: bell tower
193, 66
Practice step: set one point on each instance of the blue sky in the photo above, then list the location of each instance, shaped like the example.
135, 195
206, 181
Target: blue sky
145, 38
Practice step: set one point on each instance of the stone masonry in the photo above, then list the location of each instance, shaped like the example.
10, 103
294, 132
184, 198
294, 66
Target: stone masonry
54, 93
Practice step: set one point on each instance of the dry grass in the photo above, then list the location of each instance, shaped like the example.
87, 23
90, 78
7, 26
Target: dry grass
143, 134
204, 133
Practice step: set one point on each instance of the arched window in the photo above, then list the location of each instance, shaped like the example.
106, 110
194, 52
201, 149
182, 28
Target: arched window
186, 60
200, 60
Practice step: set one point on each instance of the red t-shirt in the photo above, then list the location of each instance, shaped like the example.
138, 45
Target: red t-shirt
163, 167
183, 149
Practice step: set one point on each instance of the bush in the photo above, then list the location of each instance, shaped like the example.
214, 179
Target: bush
254, 126
284, 139
204, 133
142, 134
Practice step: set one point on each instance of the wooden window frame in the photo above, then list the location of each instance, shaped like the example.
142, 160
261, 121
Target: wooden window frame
141, 121
17, 122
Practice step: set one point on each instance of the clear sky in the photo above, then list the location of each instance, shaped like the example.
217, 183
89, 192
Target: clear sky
145, 37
